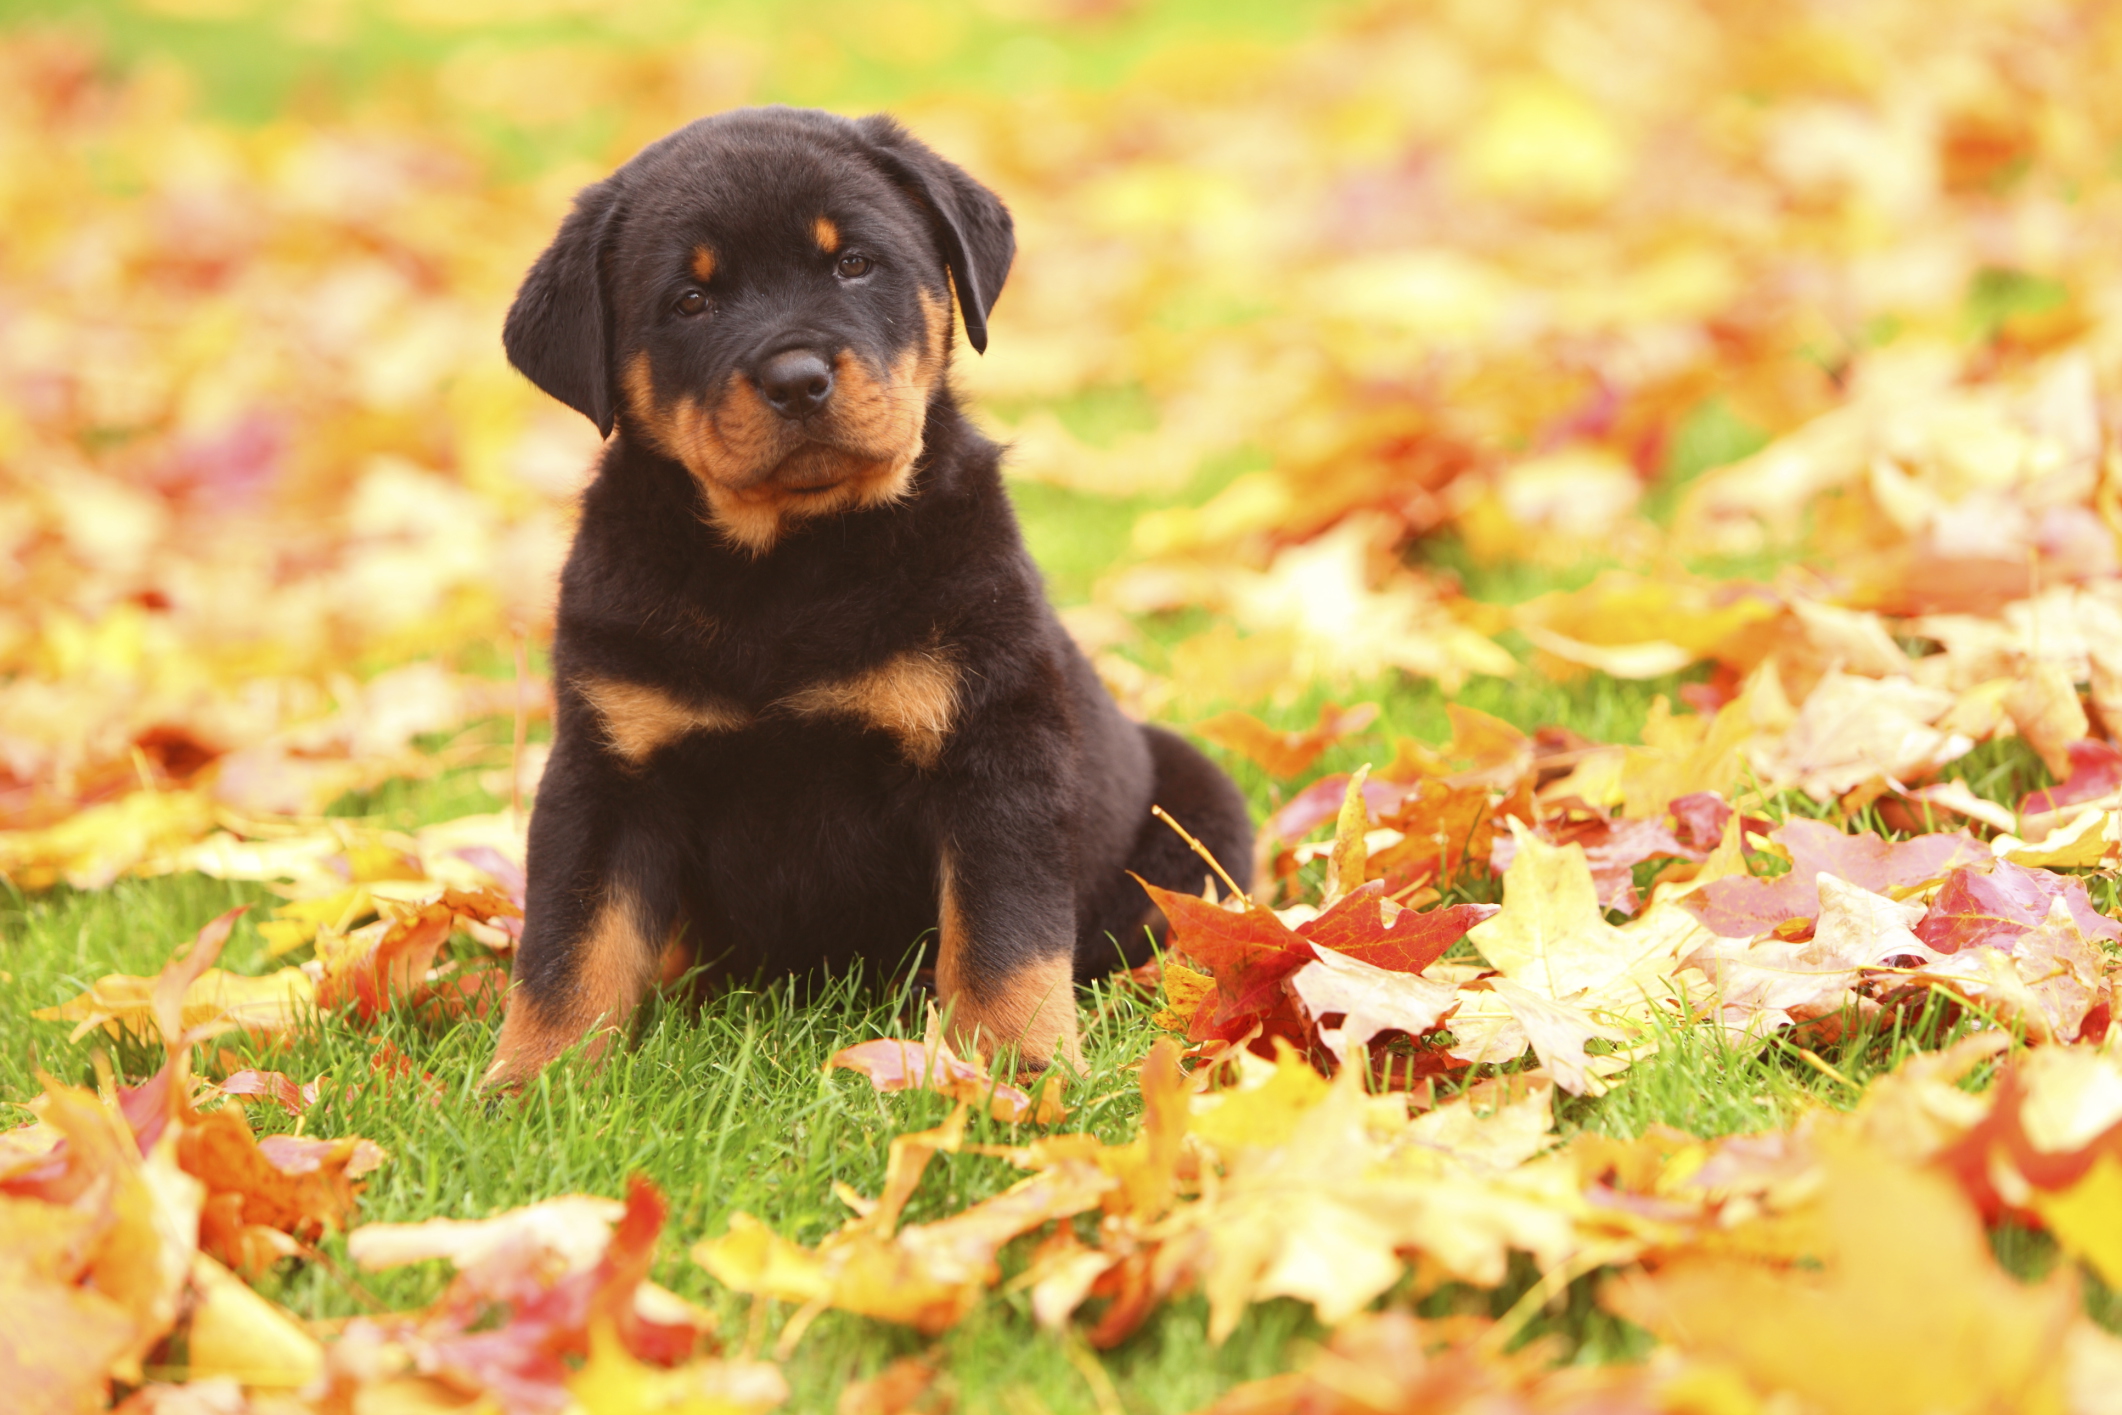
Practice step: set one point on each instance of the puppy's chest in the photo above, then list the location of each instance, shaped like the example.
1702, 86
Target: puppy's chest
742, 686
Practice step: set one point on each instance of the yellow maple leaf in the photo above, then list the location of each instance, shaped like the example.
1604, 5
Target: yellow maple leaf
2087, 1218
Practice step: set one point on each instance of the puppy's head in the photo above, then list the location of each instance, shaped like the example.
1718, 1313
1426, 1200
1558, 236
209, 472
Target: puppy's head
765, 296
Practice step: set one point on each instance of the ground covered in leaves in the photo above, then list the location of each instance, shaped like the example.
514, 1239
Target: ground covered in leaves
1628, 487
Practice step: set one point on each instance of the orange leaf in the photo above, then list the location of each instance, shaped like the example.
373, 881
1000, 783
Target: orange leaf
1281, 753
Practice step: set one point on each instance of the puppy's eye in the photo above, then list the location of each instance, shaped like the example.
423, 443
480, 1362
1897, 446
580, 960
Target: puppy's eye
854, 267
691, 302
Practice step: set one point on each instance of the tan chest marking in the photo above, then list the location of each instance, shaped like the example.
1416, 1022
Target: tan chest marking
913, 696
638, 721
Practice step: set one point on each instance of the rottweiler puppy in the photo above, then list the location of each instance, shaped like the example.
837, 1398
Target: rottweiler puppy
811, 703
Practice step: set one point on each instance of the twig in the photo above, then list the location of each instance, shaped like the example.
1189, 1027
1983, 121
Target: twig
1202, 850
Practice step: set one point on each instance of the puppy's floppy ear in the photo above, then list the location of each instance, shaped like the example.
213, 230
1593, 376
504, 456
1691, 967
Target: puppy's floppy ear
971, 223
559, 331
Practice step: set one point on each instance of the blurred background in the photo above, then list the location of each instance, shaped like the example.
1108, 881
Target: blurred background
1439, 346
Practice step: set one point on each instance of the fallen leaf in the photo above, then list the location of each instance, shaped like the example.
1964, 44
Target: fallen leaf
892, 1064
277, 1087
1613, 848
613, 1382
927, 1276
552, 1237
1285, 753
1910, 1313
1442, 827
1770, 982
2001, 904
96, 1252
1251, 953
898, 1388
2047, 978
1850, 731
1320, 802
1371, 1000
2043, 703
1557, 1033
2094, 777
1396, 1361
236, 1333
2087, 1218
1744, 907
2051, 1117
212, 1001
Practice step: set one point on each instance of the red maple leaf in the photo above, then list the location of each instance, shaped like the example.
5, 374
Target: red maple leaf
1251, 953
1999, 905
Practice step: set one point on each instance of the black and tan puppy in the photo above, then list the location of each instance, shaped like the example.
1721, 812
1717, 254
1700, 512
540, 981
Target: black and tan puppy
812, 703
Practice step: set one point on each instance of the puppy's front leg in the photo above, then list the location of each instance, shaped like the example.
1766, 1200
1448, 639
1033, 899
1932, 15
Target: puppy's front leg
1005, 962
602, 905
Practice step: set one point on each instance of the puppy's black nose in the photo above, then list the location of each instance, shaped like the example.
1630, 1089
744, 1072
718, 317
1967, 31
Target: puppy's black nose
796, 382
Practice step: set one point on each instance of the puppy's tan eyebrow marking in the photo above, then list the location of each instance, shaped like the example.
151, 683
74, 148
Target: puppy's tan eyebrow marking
826, 234
703, 263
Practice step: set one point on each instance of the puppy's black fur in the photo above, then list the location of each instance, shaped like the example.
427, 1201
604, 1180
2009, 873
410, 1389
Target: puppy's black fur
812, 703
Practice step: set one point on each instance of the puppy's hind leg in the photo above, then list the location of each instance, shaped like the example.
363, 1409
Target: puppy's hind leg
1194, 792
